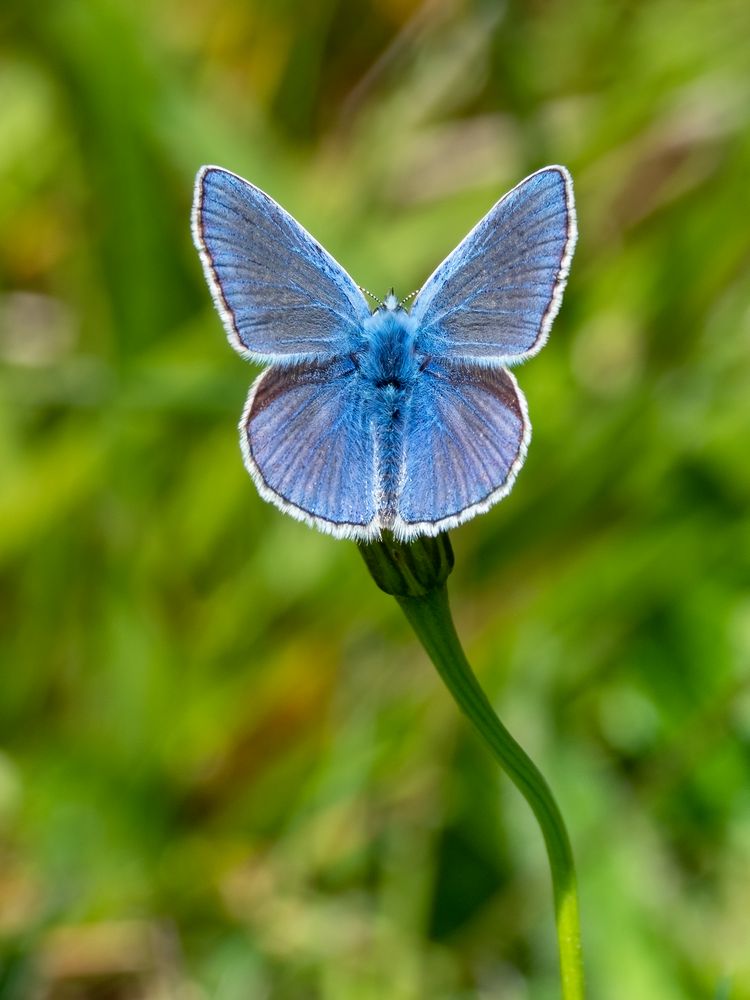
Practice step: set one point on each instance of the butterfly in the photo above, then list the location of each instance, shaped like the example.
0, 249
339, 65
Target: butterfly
398, 420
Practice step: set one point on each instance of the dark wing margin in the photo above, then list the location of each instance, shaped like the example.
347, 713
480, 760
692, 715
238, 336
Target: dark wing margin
281, 296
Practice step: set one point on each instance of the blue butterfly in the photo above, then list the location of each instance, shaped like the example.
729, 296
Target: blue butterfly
405, 421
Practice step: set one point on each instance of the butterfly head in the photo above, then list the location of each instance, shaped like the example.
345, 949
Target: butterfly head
390, 302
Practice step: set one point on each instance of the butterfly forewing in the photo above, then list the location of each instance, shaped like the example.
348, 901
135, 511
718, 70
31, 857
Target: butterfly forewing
494, 298
282, 297
465, 437
309, 447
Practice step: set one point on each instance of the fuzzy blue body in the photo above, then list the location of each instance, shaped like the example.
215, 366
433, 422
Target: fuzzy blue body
406, 421
388, 366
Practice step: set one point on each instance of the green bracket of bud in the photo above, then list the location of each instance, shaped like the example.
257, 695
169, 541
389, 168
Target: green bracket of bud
408, 569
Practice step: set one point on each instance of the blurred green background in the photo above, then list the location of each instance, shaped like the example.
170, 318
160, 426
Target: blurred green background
227, 770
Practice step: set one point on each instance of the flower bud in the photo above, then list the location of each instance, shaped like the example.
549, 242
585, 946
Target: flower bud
408, 569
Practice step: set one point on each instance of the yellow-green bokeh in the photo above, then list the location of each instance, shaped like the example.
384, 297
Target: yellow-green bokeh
227, 770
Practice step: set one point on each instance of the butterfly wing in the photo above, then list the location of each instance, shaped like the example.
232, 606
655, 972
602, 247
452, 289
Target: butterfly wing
308, 445
281, 296
465, 437
493, 300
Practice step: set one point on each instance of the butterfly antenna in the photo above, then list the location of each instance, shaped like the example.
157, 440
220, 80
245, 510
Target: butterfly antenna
363, 289
409, 297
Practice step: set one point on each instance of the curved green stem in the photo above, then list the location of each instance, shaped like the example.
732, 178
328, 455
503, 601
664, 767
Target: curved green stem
430, 616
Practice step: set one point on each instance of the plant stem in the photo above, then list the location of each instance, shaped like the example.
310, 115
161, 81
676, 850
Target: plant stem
430, 616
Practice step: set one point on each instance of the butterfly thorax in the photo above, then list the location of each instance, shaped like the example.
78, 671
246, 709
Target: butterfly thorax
389, 359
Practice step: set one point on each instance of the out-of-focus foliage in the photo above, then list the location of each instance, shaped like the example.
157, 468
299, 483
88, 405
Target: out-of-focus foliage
227, 770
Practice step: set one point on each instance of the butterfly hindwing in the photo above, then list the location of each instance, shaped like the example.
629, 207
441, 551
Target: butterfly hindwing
493, 300
308, 444
465, 437
281, 296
